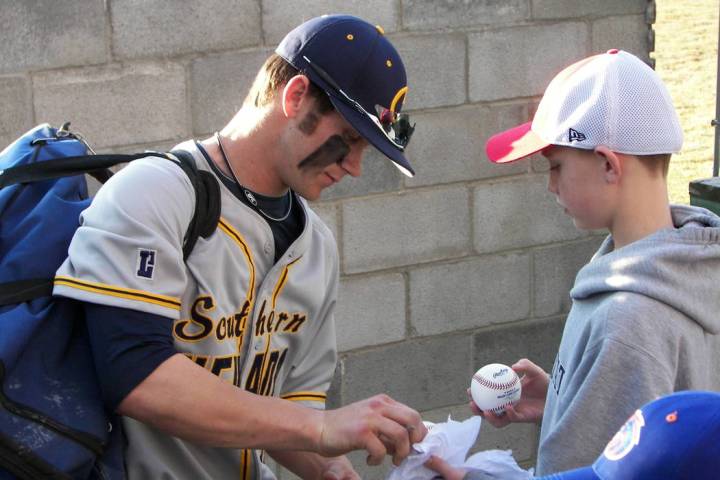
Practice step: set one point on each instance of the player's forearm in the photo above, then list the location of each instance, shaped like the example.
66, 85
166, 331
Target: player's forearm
188, 402
307, 465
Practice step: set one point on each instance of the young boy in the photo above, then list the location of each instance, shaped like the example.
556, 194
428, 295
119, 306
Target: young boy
673, 438
644, 318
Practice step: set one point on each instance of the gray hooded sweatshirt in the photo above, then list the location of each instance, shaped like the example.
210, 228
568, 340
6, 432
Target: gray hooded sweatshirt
644, 323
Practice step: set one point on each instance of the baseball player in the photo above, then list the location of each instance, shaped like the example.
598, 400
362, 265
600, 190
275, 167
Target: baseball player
213, 359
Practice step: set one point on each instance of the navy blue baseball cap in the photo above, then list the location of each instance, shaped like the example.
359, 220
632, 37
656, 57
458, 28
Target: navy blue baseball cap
674, 437
362, 73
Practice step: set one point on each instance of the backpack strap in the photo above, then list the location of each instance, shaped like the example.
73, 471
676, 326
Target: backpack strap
203, 223
96, 165
207, 201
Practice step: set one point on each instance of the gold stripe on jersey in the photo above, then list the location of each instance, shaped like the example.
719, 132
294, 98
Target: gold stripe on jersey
283, 280
113, 291
245, 464
305, 396
237, 238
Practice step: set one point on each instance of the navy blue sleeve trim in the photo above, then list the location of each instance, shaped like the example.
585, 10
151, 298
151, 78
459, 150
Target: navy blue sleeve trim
127, 346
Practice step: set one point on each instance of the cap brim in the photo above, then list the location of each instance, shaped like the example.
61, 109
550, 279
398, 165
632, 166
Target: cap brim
514, 144
360, 122
584, 473
369, 131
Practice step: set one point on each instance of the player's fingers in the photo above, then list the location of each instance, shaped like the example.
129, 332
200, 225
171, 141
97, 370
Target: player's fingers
395, 438
410, 421
376, 450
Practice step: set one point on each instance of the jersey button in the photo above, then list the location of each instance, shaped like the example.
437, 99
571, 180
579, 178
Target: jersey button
267, 248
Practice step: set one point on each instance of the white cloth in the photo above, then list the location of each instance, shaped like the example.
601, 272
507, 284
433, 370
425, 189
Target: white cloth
451, 441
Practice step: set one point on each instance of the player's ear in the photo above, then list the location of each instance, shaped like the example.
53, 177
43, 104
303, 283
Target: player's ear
294, 94
612, 164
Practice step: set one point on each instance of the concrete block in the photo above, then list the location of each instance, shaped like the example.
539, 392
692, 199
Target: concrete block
537, 340
370, 311
469, 294
16, 113
393, 230
116, 105
433, 14
544, 9
554, 271
278, 19
507, 63
629, 33
219, 84
49, 34
172, 27
449, 145
436, 69
379, 175
425, 374
517, 214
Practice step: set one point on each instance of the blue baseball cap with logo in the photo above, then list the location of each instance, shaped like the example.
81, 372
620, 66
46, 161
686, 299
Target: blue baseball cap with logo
674, 437
362, 73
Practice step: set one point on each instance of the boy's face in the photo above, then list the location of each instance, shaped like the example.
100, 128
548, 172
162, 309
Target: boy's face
577, 178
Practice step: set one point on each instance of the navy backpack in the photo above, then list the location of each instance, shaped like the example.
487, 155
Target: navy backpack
53, 423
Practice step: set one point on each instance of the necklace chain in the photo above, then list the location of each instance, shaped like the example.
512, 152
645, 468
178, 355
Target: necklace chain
248, 194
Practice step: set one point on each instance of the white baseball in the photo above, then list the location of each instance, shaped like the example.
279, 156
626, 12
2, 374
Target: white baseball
494, 387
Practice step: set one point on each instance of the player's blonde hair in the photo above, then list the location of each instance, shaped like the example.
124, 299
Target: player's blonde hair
272, 76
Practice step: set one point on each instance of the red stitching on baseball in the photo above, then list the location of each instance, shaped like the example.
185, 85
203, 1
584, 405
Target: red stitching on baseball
495, 385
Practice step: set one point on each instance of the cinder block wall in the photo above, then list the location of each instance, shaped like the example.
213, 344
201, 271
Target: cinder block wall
466, 264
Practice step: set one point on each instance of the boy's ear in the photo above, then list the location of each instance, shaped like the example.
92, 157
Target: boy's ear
613, 164
294, 94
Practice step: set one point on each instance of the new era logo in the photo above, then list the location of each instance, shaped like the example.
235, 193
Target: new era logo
576, 136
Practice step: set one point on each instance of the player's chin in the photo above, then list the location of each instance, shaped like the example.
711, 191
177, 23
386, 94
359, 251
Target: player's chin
311, 194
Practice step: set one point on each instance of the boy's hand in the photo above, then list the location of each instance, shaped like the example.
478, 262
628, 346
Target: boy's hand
531, 405
444, 469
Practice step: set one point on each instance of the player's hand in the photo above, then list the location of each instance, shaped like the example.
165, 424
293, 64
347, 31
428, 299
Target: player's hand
440, 466
379, 425
530, 407
339, 468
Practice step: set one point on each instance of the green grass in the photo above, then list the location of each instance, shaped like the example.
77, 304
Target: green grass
686, 42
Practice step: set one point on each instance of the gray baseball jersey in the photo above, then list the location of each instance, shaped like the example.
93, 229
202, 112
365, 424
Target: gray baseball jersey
263, 326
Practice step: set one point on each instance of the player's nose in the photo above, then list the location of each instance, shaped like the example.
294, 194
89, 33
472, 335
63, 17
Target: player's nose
352, 163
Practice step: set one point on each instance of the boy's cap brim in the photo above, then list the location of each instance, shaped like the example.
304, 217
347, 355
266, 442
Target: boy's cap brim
514, 144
